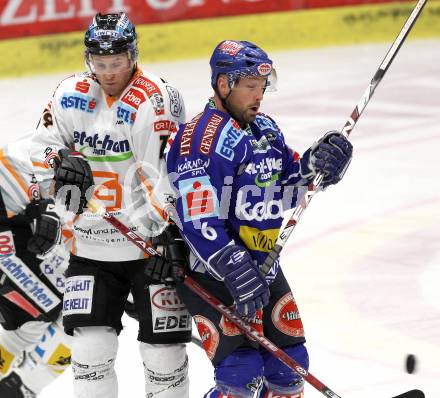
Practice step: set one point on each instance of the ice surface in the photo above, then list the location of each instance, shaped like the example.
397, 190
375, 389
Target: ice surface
364, 262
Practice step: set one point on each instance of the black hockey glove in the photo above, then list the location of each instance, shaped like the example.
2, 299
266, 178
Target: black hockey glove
47, 226
74, 172
331, 155
172, 264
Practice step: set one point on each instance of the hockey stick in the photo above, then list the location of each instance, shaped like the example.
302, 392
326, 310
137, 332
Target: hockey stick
145, 246
346, 131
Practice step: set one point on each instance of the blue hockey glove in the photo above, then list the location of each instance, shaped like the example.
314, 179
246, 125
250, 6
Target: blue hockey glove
72, 169
331, 155
47, 226
243, 279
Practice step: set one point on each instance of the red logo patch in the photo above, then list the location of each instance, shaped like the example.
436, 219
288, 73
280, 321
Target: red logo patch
82, 87
286, 317
264, 69
6, 243
230, 47
92, 104
147, 85
167, 300
133, 98
200, 202
209, 335
33, 191
230, 329
162, 125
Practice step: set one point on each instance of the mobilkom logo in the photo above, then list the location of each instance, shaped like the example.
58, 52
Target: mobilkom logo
92, 145
267, 183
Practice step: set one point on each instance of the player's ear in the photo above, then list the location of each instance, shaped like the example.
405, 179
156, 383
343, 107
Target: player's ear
223, 85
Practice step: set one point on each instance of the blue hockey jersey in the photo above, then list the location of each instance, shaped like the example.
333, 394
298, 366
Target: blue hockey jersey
232, 184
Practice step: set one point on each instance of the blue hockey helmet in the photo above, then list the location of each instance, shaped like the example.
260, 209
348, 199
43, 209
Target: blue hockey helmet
237, 59
111, 34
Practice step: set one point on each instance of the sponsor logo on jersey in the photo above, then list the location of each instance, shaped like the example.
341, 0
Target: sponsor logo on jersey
54, 267
49, 155
95, 144
266, 171
153, 93
7, 245
208, 334
20, 274
230, 47
78, 101
230, 329
133, 98
260, 146
125, 114
286, 317
259, 240
265, 123
199, 199
260, 211
187, 136
195, 167
167, 299
175, 101
33, 190
163, 125
228, 140
82, 87
209, 134
78, 294
168, 312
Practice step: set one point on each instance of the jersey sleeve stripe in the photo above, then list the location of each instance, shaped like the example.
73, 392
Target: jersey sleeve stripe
154, 202
11, 170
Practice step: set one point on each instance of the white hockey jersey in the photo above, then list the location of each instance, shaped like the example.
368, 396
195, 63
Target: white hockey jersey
18, 185
122, 139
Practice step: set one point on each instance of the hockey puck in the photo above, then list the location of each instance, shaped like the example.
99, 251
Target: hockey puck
411, 363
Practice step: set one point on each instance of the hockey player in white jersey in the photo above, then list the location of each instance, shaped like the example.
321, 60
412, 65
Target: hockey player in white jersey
32, 267
105, 130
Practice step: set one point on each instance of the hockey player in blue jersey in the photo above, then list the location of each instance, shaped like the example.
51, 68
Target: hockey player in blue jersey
235, 176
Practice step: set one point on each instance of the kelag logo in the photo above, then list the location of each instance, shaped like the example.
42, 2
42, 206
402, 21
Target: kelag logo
78, 101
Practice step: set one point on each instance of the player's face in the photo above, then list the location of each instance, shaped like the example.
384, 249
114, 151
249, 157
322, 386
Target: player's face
113, 72
245, 98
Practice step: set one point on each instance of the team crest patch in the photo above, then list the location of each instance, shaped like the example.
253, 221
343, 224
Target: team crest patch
286, 317
209, 335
